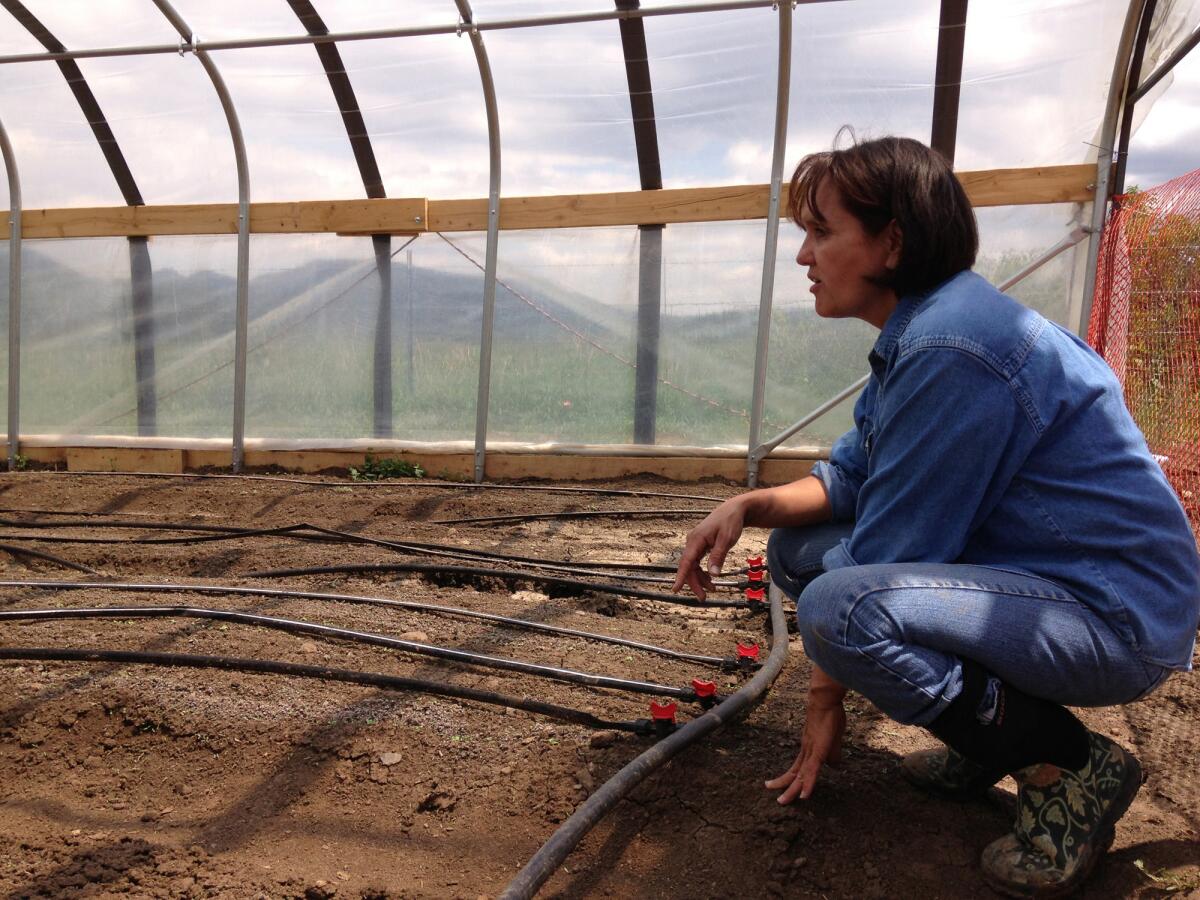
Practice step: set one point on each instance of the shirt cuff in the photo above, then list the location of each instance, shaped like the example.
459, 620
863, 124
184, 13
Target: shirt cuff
843, 502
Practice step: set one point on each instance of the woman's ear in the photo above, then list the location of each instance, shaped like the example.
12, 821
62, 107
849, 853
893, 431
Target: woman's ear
895, 244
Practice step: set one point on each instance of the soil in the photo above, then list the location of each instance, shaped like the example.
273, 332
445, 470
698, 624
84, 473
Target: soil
164, 782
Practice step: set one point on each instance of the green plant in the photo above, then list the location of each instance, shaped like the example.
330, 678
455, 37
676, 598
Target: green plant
374, 469
20, 463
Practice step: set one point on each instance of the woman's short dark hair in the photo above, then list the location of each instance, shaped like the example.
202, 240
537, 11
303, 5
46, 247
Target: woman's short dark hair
894, 178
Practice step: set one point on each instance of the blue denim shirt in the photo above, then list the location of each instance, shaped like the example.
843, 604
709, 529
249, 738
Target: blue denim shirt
990, 436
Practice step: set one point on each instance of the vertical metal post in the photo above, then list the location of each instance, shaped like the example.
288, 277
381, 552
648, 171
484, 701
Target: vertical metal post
947, 79
409, 330
645, 140
649, 319
782, 90
1117, 89
142, 302
382, 368
241, 322
1135, 71
493, 235
14, 298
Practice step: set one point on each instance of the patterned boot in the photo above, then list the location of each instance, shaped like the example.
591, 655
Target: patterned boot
947, 773
1065, 822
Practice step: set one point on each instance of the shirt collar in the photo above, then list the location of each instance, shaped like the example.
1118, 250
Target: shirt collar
892, 331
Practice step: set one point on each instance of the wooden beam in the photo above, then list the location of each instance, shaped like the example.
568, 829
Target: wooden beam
993, 187
308, 216
501, 466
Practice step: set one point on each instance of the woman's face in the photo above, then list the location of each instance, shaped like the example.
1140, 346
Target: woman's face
841, 256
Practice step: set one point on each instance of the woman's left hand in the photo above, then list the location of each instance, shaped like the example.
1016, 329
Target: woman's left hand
821, 742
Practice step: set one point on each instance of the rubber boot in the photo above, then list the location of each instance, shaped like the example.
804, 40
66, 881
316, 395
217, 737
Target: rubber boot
1065, 822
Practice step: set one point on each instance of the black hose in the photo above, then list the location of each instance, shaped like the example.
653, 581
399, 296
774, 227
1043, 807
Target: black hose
297, 530
555, 851
275, 667
463, 485
230, 590
362, 637
49, 557
582, 586
576, 514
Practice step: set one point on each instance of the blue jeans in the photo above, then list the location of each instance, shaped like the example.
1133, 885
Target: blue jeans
897, 633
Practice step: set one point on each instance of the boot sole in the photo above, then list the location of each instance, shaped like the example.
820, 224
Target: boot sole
1105, 835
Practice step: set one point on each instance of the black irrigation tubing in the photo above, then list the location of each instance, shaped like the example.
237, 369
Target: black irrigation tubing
50, 557
579, 584
555, 851
298, 531
231, 590
275, 667
576, 514
462, 485
361, 637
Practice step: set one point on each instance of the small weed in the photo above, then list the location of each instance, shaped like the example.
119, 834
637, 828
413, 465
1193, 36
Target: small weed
374, 469
1170, 882
20, 463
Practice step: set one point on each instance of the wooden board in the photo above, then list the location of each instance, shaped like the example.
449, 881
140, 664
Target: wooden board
995, 187
123, 459
445, 466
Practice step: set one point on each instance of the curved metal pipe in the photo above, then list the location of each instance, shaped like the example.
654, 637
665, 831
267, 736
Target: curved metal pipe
767, 292
241, 321
1117, 89
380, 33
555, 851
14, 298
483, 396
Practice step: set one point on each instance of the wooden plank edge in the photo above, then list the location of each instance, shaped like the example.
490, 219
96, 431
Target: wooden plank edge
992, 187
445, 466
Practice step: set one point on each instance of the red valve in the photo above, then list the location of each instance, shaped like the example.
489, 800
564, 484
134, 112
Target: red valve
704, 688
747, 651
663, 712
754, 562
756, 595
756, 574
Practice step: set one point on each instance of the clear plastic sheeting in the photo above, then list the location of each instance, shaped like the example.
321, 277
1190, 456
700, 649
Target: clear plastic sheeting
421, 102
57, 154
312, 365
565, 128
868, 64
78, 374
714, 98
1035, 79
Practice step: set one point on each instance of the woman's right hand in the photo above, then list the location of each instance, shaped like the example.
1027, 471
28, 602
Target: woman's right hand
824, 726
714, 537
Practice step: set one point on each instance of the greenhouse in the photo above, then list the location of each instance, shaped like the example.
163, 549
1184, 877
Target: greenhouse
388, 292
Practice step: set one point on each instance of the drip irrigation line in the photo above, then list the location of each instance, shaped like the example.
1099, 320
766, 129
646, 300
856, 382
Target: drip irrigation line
459, 485
276, 667
470, 554
555, 851
295, 626
576, 514
504, 574
49, 557
231, 590
297, 530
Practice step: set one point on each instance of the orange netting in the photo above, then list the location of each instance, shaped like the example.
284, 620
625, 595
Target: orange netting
1146, 323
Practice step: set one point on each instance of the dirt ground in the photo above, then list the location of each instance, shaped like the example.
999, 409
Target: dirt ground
165, 782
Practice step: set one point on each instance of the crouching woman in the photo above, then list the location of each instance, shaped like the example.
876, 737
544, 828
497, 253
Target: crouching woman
991, 543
